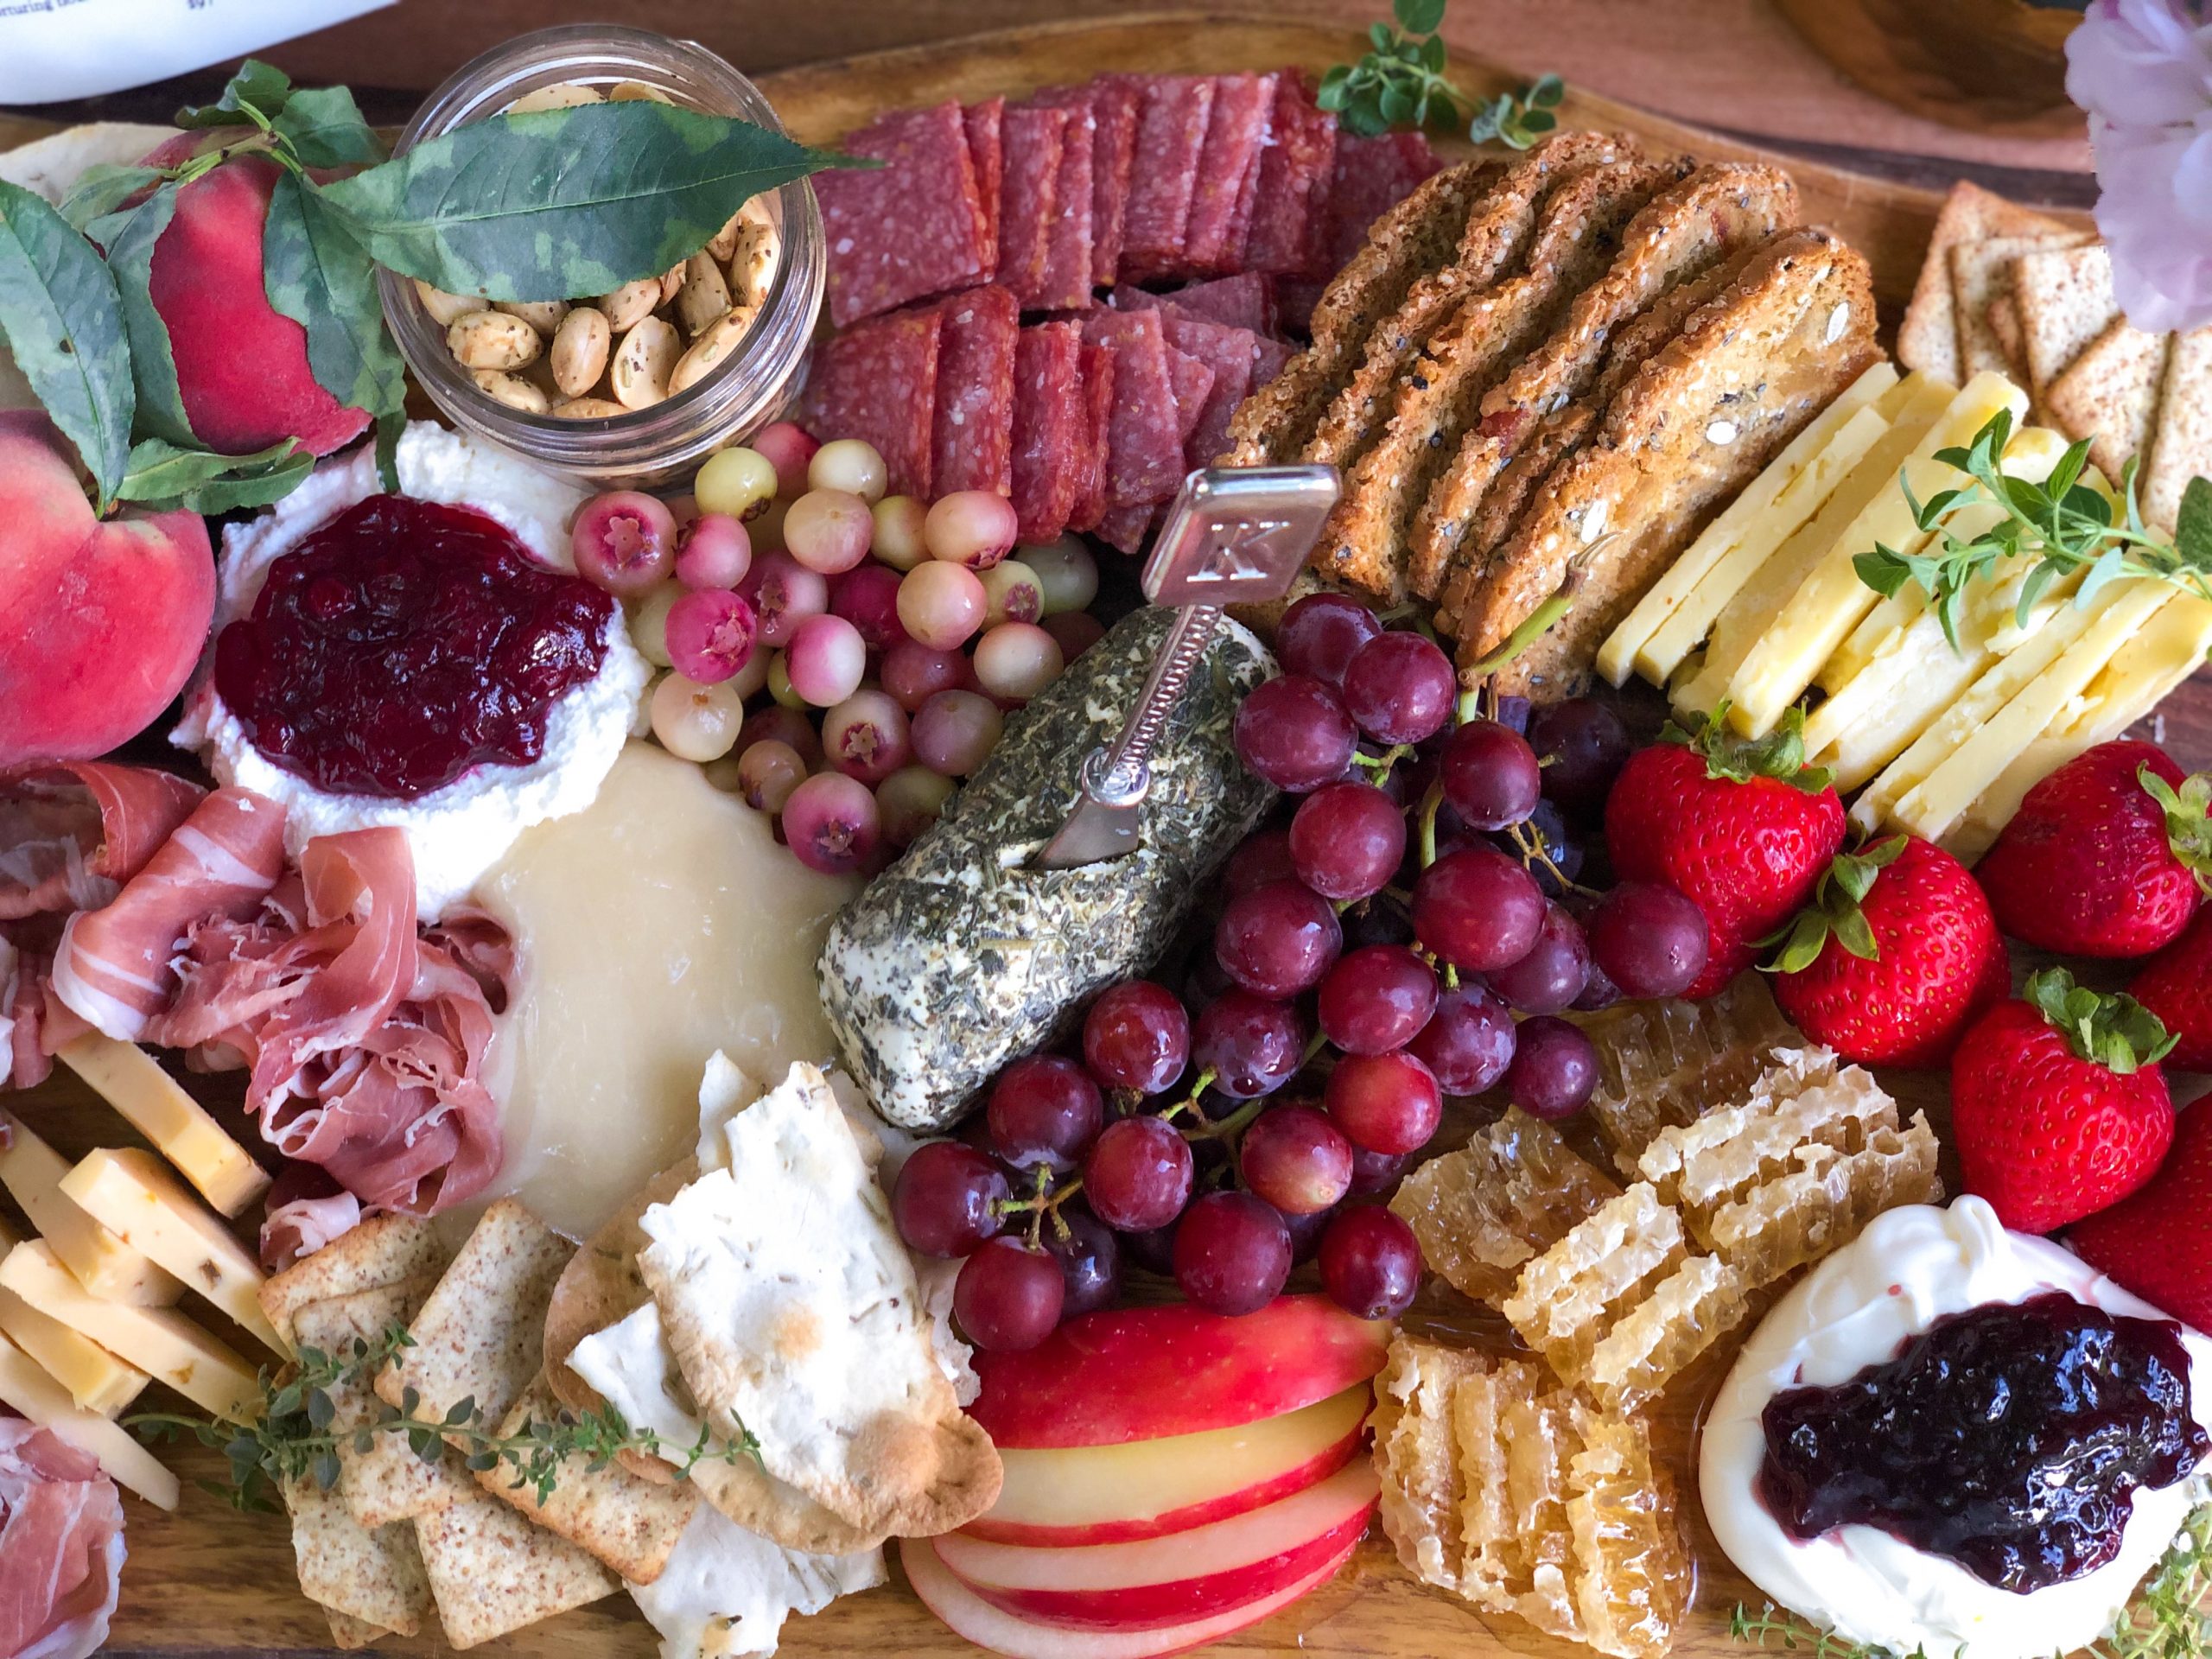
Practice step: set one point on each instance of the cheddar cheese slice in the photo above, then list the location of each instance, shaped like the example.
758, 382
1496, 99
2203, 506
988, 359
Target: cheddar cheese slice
151, 1101
97, 1380
104, 1264
158, 1340
133, 1195
26, 1388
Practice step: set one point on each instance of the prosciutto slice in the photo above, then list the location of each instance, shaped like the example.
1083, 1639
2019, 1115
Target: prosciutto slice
62, 1547
71, 834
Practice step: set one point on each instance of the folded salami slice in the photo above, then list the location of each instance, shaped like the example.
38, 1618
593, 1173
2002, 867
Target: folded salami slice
1127, 528
1029, 197
985, 124
1097, 429
1164, 174
1144, 440
914, 226
1242, 301
1222, 200
1231, 354
1191, 380
877, 381
959, 959
1067, 280
1290, 206
1372, 176
972, 424
1052, 440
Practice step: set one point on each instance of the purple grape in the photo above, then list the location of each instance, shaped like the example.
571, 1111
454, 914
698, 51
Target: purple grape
1469, 1041
1649, 939
1089, 1259
1294, 734
1278, 940
1553, 973
1555, 1068
1489, 775
1318, 634
1370, 1263
1347, 840
1583, 746
1478, 909
1232, 1253
1400, 688
1377, 999
1252, 1046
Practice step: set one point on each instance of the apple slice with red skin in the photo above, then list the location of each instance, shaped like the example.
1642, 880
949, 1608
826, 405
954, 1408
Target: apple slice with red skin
1147, 1373
968, 1615
1064, 1497
1176, 1580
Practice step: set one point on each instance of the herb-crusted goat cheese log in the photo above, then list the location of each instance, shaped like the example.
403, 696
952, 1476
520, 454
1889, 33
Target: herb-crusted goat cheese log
960, 958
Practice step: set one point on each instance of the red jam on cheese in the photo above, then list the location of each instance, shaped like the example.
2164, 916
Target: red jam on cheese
403, 644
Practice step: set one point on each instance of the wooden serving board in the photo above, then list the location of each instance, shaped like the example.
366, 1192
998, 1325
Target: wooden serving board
209, 1580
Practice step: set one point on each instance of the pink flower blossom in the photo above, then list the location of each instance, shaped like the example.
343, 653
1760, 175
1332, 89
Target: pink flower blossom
2142, 70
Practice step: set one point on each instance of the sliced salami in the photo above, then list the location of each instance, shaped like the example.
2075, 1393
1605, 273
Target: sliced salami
1144, 443
1089, 507
1242, 301
1290, 206
914, 226
1127, 528
1051, 438
1228, 177
1192, 379
1114, 100
1230, 354
1372, 176
1171, 137
1269, 358
877, 381
1067, 284
972, 424
985, 124
1029, 197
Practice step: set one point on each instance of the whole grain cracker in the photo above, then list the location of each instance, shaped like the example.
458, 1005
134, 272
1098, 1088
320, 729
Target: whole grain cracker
1981, 275
382, 1250
388, 1481
491, 1572
349, 1634
1929, 340
374, 1576
2181, 447
2066, 301
2109, 394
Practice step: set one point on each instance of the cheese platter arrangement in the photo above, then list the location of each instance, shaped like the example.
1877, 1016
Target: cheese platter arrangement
1160, 832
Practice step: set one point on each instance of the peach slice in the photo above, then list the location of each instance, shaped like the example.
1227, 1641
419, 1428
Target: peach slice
967, 1614
1064, 1497
1147, 1373
1176, 1579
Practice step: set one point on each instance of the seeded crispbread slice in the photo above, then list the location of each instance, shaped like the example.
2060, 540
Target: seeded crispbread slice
2066, 301
2181, 447
2109, 394
382, 1250
1928, 340
374, 1576
387, 1483
491, 1572
1981, 275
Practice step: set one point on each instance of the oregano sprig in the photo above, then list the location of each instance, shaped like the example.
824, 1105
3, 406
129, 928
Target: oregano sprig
1518, 119
1400, 83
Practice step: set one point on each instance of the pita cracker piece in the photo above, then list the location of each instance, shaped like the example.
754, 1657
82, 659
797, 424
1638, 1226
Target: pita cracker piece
2109, 394
630, 1365
382, 1250
2066, 301
630, 1524
491, 1572
349, 1634
727, 1591
375, 1576
602, 1284
1981, 274
1929, 339
2181, 447
794, 1314
481, 1334
51, 166
387, 1483
725, 1090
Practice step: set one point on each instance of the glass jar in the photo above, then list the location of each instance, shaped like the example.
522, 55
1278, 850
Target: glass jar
665, 443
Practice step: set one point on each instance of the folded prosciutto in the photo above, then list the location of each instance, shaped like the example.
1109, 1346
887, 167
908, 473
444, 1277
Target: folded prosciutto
60, 1546
71, 834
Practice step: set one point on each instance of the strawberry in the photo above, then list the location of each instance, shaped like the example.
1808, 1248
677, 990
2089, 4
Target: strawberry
2177, 986
1743, 827
2158, 1242
2106, 857
2058, 1103
1897, 953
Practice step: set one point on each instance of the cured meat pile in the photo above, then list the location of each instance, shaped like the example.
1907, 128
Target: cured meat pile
60, 1546
1088, 418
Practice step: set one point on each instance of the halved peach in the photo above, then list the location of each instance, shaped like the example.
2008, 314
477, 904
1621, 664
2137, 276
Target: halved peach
1060, 1497
1176, 1579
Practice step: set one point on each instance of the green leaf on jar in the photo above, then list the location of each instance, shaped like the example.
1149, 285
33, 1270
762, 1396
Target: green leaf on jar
63, 321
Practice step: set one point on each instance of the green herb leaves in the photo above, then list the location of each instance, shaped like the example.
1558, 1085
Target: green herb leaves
1519, 120
2167, 1620
2065, 523
1401, 81
64, 324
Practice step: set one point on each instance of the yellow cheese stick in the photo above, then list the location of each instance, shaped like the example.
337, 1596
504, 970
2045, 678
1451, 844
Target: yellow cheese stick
104, 1264
132, 1081
158, 1340
1746, 617
97, 1380
133, 1194
26, 1388
1829, 603
1685, 600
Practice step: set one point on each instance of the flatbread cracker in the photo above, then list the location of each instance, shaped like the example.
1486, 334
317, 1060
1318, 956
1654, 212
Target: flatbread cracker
491, 1572
2181, 447
1981, 274
376, 1576
2066, 301
387, 1483
630, 1524
1928, 340
382, 1250
2109, 394
602, 1284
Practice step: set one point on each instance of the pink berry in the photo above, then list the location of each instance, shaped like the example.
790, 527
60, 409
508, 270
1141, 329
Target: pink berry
713, 551
974, 528
624, 541
710, 635
865, 737
825, 660
829, 530
789, 449
783, 593
832, 824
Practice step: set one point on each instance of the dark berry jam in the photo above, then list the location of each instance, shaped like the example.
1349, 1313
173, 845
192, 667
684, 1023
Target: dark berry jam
2010, 1439
403, 644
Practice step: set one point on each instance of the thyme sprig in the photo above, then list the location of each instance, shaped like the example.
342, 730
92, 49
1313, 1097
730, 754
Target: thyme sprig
2063, 523
295, 1436
1785, 1629
2169, 1618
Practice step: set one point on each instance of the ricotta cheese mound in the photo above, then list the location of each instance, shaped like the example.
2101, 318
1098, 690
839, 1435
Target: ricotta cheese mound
459, 832
726, 1593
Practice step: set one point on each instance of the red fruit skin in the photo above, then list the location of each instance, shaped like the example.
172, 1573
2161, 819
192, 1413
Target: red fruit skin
2177, 986
241, 364
1748, 854
1942, 961
2158, 1242
2045, 1136
2084, 867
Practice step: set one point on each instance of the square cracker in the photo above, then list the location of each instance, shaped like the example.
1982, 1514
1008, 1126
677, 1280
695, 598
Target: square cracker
376, 1577
2181, 447
2109, 394
632, 1525
481, 1334
1981, 275
387, 1483
491, 1572
382, 1250
1929, 339
349, 1634
2066, 301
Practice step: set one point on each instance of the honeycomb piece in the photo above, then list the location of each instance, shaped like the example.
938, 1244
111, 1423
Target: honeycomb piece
1567, 1298
1662, 1064
1633, 1579
1417, 1459
1511, 1193
1649, 1345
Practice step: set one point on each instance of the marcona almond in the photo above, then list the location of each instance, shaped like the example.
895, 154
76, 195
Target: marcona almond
562, 95
588, 409
580, 345
725, 240
512, 389
704, 298
492, 340
642, 362
636, 91
544, 316
443, 308
711, 349
630, 304
671, 283
752, 262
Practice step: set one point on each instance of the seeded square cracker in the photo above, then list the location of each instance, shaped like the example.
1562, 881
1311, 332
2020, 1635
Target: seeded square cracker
2109, 394
387, 1483
1981, 276
2066, 301
374, 1576
1929, 339
491, 1572
382, 1250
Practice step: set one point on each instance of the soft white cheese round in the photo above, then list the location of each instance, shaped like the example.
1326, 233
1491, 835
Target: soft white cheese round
1911, 1267
458, 832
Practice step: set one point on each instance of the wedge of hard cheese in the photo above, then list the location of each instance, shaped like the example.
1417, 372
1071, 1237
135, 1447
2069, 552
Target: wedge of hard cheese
151, 1101
27, 1388
104, 1264
97, 1380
